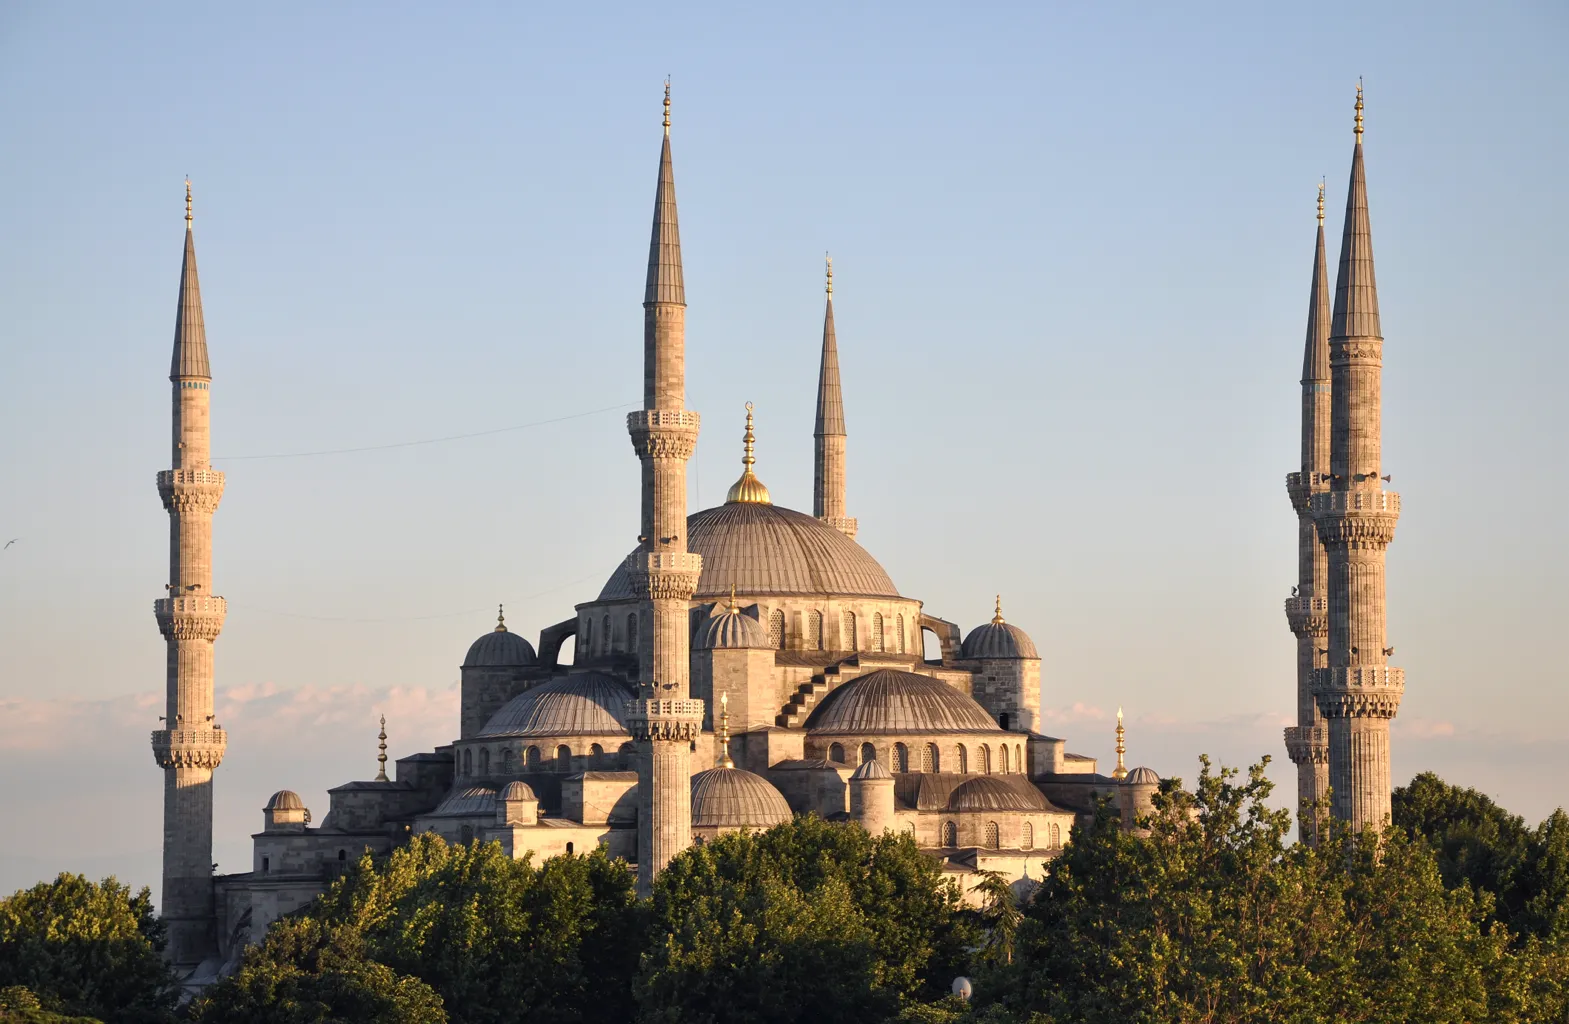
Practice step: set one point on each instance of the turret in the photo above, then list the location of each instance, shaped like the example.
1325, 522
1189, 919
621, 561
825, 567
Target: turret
1007, 680
828, 502
871, 797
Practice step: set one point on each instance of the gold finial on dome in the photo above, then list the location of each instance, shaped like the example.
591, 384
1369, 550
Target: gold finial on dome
381, 756
1122, 748
501, 619
667, 106
830, 261
1320, 204
997, 619
724, 730
732, 597
748, 489
187, 204
1358, 128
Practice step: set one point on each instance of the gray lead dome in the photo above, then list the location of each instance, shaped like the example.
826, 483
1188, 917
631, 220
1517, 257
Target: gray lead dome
889, 700
500, 648
998, 640
736, 798
580, 704
731, 630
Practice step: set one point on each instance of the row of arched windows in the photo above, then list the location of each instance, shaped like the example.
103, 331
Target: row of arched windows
931, 758
598, 639
815, 640
533, 757
992, 835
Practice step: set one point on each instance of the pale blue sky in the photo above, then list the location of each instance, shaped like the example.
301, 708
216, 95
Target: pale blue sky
1072, 248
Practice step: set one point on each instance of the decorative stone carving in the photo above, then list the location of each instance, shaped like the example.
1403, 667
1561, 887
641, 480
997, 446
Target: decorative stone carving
189, 748
185, 491
669, 719
1308, 616
663, 433
1307, 744
665, 576
190, 618
1359, 691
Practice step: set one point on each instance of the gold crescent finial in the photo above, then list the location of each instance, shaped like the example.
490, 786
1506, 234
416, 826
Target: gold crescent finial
187, 203
732, 597
1358, 128
1122, 748
1321, 204
724, 729
501, 619
997, 619
667, 106
748, 488
830, 261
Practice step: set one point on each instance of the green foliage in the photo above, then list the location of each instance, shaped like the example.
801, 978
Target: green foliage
85, 949
807, 921
495, 939
1476, 842
999, 918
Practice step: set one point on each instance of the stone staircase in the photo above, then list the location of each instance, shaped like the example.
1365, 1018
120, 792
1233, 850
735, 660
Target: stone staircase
806, 697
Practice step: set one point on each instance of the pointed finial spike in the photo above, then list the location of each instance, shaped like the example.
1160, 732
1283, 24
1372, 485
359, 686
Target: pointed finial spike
1321, 203
732, 597
829, 260
724, 729
748, 488
667, 105
187, 202
1122, 748
1358, 128
997, 618
381, 756
501, 618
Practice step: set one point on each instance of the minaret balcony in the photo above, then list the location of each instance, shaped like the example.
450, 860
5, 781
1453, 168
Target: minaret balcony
664, 575
1308, 615
663, 433
1359, 691
664, 718
190, 490
1307, 744
189, 748
190, 618
1361, 518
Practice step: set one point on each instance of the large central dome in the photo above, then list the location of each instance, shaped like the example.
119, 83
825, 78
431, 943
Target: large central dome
764, 550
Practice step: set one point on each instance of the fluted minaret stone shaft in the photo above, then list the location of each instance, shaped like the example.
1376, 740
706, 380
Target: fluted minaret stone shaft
664, 720
190, 617
828, 482
1358, 692
1307, 609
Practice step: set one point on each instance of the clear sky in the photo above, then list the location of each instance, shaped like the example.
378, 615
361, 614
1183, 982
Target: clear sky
1072, 246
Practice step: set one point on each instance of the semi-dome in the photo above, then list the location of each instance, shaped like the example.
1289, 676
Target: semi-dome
1142, 776
285, 800
580, 704
765, 550
735, 798
994, 793
731, 630
500, 648
470, 800
891, 701
873, 769
998, 639
514, 791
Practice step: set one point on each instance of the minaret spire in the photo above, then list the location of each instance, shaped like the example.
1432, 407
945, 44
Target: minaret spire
190, 618
828, 502
664, 720
1358, 691
1307, 609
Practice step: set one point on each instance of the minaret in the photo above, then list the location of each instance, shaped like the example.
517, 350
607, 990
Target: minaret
664, 721
191, 745
1121, 771
1307, 609
828, 482
1358, 691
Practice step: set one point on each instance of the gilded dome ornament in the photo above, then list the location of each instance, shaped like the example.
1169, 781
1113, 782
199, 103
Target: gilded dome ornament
748, 489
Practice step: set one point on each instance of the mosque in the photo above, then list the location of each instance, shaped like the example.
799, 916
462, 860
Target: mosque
744, 664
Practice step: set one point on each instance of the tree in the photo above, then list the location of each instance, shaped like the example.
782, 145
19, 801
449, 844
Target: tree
809, 920
999, 917
87, 949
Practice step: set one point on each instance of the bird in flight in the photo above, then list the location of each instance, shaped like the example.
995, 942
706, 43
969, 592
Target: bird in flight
8, 543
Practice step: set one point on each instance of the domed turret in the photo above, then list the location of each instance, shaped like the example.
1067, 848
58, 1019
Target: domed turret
998, 639
731, 630
1142, 776
285, 812
517, 805
871, 797
500, 648
1136, 796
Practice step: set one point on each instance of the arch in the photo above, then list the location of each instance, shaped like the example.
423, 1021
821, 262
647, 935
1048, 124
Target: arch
343, 855
868, 753
1002, 759
814, 631
484, 760
899, 639
848, 638
1027, 836
993, 836
605, 641
506, 761
930, 760
551, 639
950, 834
836, 752
585, 643
1002, 721
1056, 836
531, 757
901, 758
983, 759
632, 632
596, 752
1018, 760
776, 628
877, 631
569, 849
468, 762
563, 758
963, 758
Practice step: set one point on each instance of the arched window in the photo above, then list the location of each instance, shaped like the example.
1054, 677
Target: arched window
506, 761
626, 752
468, 762
950, 834
848, 637
901, 758
343, 855
930, 761
983, 759
1002, 720
899, 640
597, 752
877, 631
964, 759
836, 752
868, 753
1056, 836
993, 836
484, 760
1018, 759
563, 758
632, 632
569, 849
814, 631
608, 638
587, 645
467, 834
1002, 759
531, 757
1027, 837
776, 628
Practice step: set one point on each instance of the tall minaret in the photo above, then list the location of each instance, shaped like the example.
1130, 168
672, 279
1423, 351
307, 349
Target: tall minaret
828, 482
191, 745
1307, 609
1358, 691
664, 721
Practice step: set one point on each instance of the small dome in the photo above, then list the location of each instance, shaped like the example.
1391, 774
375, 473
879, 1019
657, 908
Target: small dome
479, 800
500, 648
993, 793
731, 630
514, 791
580, 704
873, 769
735, 798
1142, 776
998, 639
285, 800
891, 701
